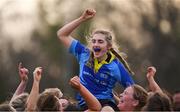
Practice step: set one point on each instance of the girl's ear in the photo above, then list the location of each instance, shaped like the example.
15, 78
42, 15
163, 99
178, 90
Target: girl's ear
109, 47
135, 103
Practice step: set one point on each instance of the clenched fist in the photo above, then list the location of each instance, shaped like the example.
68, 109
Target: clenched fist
88, 14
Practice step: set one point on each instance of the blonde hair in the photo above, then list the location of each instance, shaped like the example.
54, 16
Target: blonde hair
141, 95
54, 91
47, 102
109, 37
158, 101
47, 99
19, 102
6, 107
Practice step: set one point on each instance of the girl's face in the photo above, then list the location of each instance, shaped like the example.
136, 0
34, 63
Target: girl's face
63, 103
127, 101
99, 45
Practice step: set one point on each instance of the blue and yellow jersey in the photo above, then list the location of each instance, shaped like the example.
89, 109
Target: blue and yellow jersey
99, 78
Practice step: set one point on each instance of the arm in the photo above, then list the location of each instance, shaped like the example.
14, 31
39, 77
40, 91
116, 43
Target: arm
124, 78
91, 101
152, 83
23, 72
33, 96
65, 31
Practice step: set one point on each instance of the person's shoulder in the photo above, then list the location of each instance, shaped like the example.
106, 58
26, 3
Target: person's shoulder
113, 65
116, 62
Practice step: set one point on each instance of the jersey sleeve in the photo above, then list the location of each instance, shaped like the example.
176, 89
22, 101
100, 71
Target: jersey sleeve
126, 79
77, 49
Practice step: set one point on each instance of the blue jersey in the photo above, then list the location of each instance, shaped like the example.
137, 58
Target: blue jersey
99, 83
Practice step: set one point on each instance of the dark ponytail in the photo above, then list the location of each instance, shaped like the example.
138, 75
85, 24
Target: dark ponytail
122, 60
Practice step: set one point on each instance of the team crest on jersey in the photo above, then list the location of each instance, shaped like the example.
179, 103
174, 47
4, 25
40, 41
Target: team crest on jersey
89, 64
104, 76
87, 73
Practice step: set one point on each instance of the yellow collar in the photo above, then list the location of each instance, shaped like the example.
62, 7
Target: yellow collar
97, 65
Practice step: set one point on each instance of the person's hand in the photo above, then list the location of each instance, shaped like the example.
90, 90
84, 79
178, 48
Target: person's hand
151, 71
23, 72
75, 82
88, 14
37, 74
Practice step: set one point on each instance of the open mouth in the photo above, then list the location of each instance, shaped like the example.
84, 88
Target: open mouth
96, 49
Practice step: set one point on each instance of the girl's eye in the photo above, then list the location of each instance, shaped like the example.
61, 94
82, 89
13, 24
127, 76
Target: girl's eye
100, 41
93, 41
125, 93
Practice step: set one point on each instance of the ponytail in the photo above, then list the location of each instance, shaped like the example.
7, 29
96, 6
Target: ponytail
121, 59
